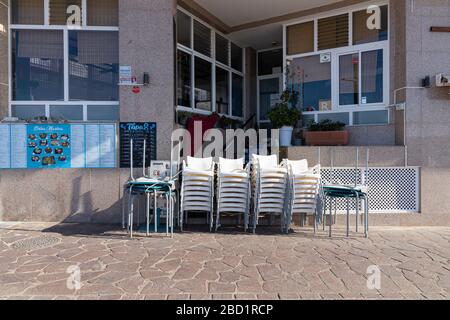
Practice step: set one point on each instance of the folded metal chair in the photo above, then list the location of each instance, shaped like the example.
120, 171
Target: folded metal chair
269, 186
304, 191
233, 190
197, 188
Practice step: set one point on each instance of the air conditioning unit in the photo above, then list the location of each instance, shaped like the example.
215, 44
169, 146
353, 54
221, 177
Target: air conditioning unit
442, 80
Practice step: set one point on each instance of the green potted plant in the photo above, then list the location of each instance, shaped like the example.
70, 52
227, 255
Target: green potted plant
326, 133
285, 117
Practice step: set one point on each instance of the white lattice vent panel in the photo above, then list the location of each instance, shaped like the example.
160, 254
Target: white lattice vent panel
391, 190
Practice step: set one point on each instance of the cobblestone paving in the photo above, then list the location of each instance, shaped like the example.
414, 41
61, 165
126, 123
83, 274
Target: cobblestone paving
414, 264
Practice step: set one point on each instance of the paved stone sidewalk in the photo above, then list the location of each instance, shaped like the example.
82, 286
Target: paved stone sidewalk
34, 259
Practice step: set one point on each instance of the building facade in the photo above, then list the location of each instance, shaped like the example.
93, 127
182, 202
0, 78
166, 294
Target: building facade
233, 58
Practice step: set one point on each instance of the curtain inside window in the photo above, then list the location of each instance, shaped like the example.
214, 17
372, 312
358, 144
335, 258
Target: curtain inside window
103, 12
202, 39
300, 38
333, 32
27, 12
58, 10
41, 44
96, 47
362, 34
222, 49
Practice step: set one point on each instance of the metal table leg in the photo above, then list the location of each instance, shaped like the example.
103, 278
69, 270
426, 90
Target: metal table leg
331, 216
155, 210
148, 213
348, 217
123, 207
366, 227
131, 215
167, 214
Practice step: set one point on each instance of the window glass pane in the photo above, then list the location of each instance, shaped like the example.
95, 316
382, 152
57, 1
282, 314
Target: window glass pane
311, 80
370, 117
102, 12
74, 113
183, 29
336, 117
300, 38
58, 10
37, 65
236, 57
372, 77
103, 113
202, 84
270, 62
222, 49
27, 12
202, 39
269, 95
93, 65
361, 32
238, 96
349, 79
333, 32
222, 91
28, 112
184, 85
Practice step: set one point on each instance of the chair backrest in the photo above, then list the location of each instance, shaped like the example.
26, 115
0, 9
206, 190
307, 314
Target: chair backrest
298, 167
265, 162
230, 165
202, 164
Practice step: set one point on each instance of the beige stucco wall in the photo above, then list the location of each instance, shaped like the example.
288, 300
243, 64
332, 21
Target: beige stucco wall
428, 111
94, 195
3, 58
146, 42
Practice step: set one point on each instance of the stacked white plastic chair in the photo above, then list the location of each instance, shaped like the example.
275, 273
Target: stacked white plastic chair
233, 190
304, 185
197, 189
269, 186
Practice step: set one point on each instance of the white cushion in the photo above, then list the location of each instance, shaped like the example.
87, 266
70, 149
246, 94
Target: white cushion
230, 165
202, 164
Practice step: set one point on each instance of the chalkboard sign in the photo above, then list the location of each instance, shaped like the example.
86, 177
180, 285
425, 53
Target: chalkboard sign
138, 131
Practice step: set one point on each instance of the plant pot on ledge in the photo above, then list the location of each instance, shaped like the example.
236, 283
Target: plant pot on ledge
327, 133
284, 117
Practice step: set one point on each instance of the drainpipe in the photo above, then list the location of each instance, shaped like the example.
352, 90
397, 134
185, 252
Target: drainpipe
396, 91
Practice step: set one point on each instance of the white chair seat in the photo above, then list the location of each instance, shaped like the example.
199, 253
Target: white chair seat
188, 172
234, 173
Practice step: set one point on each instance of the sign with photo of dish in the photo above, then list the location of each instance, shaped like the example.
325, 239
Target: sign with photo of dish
58, 146
48, 146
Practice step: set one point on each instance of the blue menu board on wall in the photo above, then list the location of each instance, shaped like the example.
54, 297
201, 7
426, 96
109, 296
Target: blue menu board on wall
48, 146
51, 146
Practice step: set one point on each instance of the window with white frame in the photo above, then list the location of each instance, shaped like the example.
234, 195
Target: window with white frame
63, 71
210, 75
339, 67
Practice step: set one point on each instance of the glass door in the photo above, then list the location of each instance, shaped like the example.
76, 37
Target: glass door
269, 92
349, 80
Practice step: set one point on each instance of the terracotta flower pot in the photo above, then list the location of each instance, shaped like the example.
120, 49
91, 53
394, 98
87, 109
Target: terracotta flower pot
327, 138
